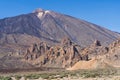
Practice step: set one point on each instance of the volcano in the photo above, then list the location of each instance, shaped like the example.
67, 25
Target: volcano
20, 32
50, 26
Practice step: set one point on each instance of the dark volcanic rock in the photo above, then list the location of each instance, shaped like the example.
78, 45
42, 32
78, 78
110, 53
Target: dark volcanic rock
97, 43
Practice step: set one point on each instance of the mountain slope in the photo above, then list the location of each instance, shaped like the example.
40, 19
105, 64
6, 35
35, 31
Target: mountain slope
51, 27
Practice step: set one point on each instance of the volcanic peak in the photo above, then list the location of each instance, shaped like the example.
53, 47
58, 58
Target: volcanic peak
40, 12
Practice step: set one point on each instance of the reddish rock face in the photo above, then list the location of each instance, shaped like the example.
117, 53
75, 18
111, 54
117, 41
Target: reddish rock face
65, 55
36, 50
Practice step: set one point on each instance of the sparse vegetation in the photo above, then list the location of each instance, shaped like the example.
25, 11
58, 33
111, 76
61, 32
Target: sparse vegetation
17, 77
92, 75
80, 73
5, 78
32, 76
98, 73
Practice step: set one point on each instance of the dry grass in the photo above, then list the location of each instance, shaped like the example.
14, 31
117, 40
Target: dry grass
98, 73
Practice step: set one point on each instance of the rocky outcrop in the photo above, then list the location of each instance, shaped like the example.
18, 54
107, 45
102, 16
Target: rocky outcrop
106, 56
64, 55
95, 49
36, 50
67, 53
66, 42
114, 53
96, 43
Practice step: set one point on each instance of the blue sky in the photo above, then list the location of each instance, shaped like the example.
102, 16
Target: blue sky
105, 13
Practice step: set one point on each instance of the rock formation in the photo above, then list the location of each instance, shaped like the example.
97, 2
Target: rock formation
106, 57
64, 55
36, 50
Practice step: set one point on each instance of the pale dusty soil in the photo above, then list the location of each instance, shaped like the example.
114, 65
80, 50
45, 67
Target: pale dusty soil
84, 65
92, 64
76, 78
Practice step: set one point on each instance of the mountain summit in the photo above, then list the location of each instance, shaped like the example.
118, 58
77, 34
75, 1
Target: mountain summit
41, 13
